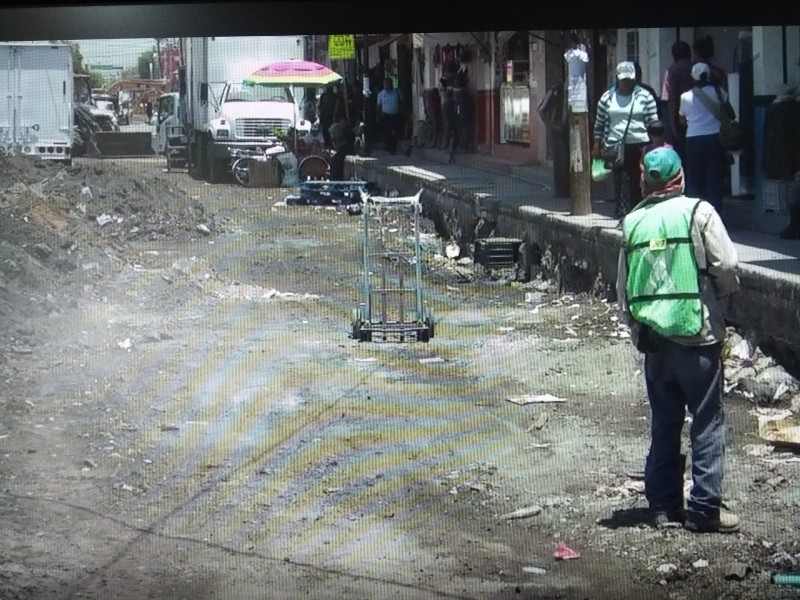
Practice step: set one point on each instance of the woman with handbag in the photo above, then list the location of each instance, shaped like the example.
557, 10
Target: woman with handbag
620, 133
702, 111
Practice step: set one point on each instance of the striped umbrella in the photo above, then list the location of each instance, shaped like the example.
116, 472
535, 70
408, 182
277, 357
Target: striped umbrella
293, 73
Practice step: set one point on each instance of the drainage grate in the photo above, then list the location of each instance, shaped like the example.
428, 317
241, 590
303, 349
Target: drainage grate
497, 253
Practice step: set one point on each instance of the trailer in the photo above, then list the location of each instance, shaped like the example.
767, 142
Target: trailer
36, 112
219, 112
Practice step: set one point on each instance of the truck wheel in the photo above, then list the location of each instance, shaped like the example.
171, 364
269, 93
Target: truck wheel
216, 170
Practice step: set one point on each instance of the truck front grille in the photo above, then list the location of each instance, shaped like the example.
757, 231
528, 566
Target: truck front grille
261, 128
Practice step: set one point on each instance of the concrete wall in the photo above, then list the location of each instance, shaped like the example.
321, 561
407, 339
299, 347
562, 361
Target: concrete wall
583, 257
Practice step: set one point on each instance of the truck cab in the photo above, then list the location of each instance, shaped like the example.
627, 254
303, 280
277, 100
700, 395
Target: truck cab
168, 123
248, 116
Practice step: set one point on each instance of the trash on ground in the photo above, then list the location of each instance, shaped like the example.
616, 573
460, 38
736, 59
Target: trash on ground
126, 344
432, 359
536, 447
366, 359
700, 564
535, 399
667, 568
534, 570
540, 422
104, 219
523, 513
634, 486
784, 432
759, 450
564, 552
203, 229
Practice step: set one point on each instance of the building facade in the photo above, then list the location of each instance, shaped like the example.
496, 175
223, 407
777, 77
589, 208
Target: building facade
508, 73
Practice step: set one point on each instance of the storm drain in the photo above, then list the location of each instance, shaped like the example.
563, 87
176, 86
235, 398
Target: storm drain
497, 253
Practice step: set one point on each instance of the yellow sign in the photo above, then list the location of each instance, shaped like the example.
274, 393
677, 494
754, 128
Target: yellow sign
658, 244
341, 47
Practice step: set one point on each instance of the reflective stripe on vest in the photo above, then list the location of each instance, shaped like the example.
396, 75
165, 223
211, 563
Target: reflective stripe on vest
663, 279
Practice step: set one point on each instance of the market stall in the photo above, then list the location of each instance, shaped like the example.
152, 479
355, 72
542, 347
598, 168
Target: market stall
308, 149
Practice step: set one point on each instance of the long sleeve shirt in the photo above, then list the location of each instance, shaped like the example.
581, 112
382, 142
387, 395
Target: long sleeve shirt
614, 110
718, 263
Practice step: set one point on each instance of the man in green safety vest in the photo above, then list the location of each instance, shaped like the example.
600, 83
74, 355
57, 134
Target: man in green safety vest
676, 266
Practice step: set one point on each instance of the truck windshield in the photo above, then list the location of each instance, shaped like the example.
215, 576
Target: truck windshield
239, 92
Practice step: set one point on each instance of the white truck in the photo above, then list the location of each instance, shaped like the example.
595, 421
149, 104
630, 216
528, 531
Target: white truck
36, 89
217, 110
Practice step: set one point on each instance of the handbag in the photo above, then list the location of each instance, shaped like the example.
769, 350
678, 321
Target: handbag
731, 132
614, 153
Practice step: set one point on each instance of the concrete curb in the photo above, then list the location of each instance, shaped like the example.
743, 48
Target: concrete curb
581, 253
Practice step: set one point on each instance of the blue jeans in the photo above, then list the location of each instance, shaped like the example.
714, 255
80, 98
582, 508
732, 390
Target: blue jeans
680, 377
705, 169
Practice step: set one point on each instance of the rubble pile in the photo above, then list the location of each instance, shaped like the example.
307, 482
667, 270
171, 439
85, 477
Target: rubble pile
62, 226
751, 374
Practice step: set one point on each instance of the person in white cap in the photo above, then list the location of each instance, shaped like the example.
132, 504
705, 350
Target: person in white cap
700, 111
620, 132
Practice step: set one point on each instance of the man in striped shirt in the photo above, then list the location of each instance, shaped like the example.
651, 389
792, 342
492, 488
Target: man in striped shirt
623, 114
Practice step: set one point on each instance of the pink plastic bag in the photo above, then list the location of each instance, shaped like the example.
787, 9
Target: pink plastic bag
564, 552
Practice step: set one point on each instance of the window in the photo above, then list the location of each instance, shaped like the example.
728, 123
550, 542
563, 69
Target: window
239, 92
632, 45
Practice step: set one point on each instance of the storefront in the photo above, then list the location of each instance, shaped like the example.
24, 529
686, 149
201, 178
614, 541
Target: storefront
515, 92
453, 64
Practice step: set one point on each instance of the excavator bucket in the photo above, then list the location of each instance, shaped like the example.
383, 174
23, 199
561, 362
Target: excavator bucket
122, 144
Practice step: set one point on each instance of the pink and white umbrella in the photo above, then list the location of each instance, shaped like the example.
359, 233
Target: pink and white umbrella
293, 73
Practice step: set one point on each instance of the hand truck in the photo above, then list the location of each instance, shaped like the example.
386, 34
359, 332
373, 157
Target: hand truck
387, 279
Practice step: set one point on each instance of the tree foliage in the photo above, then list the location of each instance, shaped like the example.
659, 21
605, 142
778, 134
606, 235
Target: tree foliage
143, 64
96, 79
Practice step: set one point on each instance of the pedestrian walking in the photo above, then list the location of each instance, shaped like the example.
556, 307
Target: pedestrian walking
620, 133
676, 265
705, 156
677, 80
389, 114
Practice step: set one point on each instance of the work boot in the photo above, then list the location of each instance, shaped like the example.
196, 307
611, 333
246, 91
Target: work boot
668, 519
724, 522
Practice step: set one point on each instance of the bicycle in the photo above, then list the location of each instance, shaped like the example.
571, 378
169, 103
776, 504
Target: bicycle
245, 159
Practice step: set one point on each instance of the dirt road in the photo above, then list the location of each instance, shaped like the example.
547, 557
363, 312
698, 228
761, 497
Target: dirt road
184, 415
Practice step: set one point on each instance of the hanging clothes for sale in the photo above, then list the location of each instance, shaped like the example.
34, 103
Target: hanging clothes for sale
437, 55
461, 79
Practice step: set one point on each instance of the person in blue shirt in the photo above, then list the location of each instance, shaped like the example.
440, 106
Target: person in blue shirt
389, 114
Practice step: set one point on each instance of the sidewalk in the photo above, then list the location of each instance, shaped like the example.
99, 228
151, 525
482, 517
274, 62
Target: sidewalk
770, 269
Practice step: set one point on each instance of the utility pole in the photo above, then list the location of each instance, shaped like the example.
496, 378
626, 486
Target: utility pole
577, 59
158, 51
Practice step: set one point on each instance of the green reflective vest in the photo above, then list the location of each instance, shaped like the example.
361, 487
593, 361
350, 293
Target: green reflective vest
663, 288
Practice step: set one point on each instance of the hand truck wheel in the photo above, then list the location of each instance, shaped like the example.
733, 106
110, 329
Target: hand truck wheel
241, 170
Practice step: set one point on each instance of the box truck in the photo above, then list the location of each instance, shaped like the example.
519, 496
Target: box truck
218, 111
36, 112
